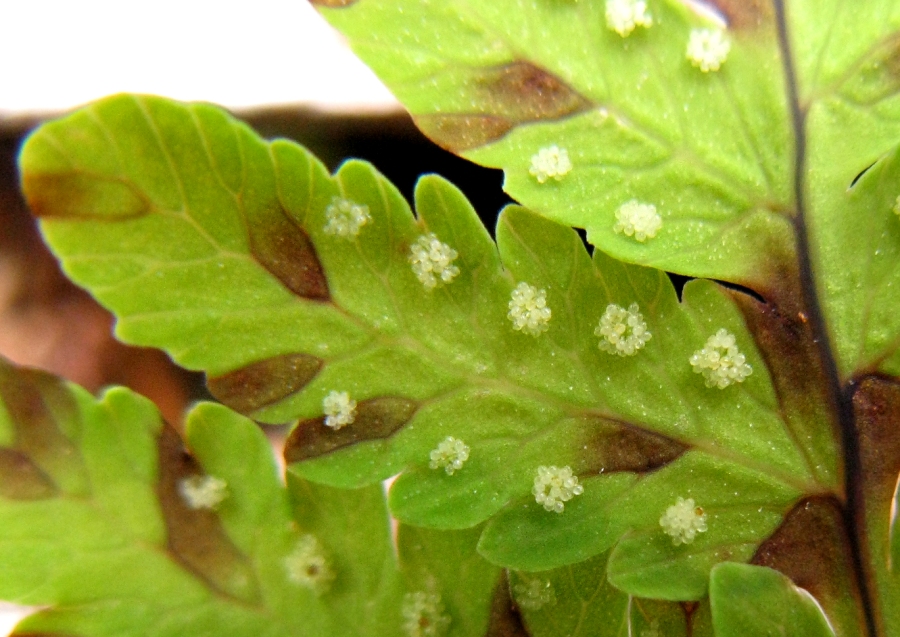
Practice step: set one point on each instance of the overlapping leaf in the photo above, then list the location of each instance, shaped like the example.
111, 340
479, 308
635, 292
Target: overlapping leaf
749, 600
712, 151
722, 155
578, 601
226, 264
95, 527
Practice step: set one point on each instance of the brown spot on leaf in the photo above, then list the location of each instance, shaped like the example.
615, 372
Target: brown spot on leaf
614, 447
523, 92
811, 548
784, 336
457, 133
284, 249
502, 98
264, 382
333, 3
196, 538
744, 14
21, 479
505, 619
34, 400
377, 418
82, 196
877, 406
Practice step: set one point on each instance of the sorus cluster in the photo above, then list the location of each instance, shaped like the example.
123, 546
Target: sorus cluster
622, 16
535, 593
622, 332
550, 163
708, 49
307, 565
637, 219
450, 455
683, 521
554, 486
345, 218
720, 361
528, 310
432, 261
203, 492
339, 409
423, 615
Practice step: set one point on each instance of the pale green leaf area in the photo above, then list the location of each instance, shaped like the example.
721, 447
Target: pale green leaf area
578, 601
846, 59
109, 561
639, 431
752, 601
712, 151
861, 295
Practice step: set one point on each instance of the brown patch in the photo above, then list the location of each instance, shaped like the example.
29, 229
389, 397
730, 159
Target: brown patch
264, 382
21, 479
333, 3
284, 249
505, 619
196, 538
502, 98
376, 419
457, 133
618, 448
744, 14
523, 92
784, 336
82, 196
811, 548
877, 406
34, 400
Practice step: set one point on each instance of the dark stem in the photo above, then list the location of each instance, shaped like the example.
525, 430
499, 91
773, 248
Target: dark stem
841, 397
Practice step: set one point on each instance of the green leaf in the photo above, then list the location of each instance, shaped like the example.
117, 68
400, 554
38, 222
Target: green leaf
860, 296
499, 81
752, 601
639, 431
578, 601
98, 527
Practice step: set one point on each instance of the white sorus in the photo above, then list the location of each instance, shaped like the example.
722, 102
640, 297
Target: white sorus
720, 361
683, 521
528, 310
550, 163
203, 492
339, 409
307, 565
345, 218
638, 219
622, 16
707, 49
896, 207
423, 615
432, 261
450, 455
534, 593
553, 486
622, 331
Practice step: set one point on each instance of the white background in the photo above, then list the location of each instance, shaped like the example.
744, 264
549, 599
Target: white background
56, 54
